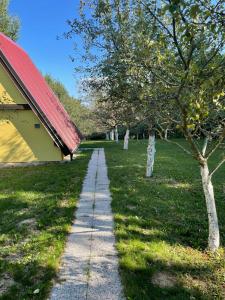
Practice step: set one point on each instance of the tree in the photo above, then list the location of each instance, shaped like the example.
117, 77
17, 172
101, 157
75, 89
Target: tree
9, 25
112, 111
106, 118
189, 66
114, 29
111, 68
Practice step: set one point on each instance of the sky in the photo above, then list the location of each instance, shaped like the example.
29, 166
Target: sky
41, 22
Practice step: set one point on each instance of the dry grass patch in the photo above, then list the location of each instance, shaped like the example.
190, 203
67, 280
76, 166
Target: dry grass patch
164, 280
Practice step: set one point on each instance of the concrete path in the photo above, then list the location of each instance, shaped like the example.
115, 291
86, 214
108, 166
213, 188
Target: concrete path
89, 267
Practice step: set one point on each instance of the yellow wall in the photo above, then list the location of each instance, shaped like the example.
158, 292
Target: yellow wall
20, 141
9, 93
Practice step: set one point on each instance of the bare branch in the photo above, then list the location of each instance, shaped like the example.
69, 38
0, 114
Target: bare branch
217, 144
217, 167
179, 145
158, 20
205, 144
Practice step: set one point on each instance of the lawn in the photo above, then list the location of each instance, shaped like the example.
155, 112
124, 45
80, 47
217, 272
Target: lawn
36, 208
161, 224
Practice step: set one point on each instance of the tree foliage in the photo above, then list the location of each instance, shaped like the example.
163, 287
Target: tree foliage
9, 25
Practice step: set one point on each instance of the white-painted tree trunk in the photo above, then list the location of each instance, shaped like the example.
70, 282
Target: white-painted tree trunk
150, 155
126, 140
166, 134
214, 234
116, 134
112, 135
107, 136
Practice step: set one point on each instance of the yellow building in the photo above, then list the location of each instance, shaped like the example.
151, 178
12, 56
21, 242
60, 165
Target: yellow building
33, 124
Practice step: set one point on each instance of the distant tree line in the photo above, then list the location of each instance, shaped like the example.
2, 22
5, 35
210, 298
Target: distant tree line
83, 116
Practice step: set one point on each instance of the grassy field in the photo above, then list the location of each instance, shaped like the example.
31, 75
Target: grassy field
36, 210
161, 224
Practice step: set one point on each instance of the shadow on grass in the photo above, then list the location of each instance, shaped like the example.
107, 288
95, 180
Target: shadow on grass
29, 277
140, 279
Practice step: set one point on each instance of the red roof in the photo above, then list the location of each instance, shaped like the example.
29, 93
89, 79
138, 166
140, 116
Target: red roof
42, 99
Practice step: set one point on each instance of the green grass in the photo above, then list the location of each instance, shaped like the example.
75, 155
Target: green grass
161, 223
44, 196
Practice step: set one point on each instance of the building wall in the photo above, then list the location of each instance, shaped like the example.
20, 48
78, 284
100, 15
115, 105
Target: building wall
23, 138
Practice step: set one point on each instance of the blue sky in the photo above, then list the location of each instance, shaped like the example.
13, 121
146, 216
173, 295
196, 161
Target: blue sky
41, 22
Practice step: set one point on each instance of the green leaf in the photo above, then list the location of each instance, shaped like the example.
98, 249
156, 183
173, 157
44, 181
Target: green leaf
194, 10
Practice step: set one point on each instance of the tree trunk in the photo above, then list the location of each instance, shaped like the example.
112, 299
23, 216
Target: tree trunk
112, 135
150, 155
116, 134
137, 136
126, 140
214, 234
166, 134
107, 136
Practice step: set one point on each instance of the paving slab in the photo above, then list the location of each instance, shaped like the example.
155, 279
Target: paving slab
104, 280
89, 265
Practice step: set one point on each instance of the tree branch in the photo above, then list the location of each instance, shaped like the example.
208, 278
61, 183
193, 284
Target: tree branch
217, 144
217, 167
179, 145
205, 145
177, 44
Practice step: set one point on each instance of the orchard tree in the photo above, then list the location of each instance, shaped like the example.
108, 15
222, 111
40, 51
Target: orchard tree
107, 37
113, 113
117, 33
106, 118
189, 65
105, 112
9, 25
